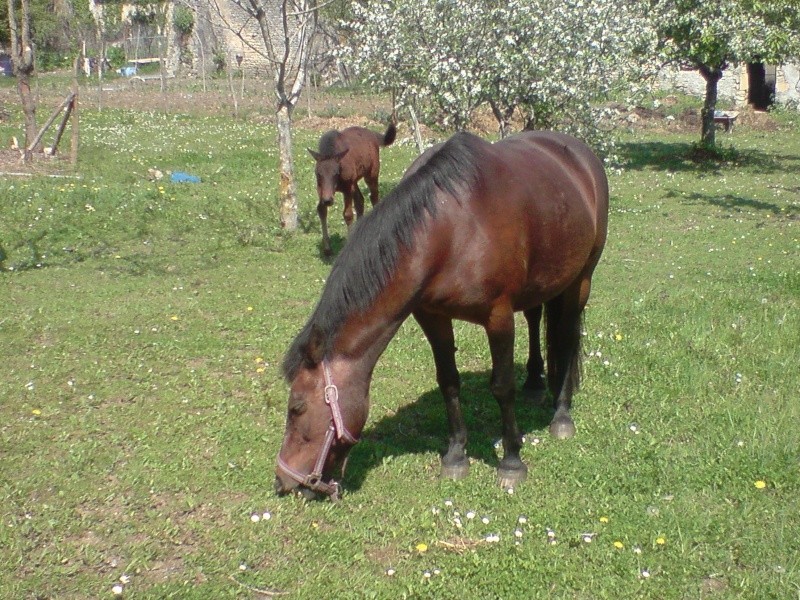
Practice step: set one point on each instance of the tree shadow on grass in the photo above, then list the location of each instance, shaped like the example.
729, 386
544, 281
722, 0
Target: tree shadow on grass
684, 157
730, 202
421, 427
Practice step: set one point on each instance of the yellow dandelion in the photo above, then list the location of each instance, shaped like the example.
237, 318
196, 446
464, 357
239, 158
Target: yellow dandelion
249, 309
660, 541
604, 519
619, 545
175, 317
260, 370
422, 547
618, 336
760, 484
36, 411
314, 525
259, 359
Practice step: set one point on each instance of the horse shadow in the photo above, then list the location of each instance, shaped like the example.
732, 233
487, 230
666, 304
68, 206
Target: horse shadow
420, 427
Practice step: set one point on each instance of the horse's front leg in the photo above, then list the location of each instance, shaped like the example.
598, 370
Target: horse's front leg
439, 331
322, 211
347, 213
500, 330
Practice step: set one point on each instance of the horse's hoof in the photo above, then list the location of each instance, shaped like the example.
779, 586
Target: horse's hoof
535, 397
562, 429
510, 478
455, 472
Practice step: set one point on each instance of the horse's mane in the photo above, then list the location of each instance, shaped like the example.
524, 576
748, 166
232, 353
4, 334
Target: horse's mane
369, 258
327, 143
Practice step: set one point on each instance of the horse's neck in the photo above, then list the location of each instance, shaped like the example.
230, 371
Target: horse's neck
364, 339
364, 336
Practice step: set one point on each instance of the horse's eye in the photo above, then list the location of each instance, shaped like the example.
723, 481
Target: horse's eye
297, 406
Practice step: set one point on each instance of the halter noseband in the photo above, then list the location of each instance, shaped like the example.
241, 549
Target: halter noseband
336, 431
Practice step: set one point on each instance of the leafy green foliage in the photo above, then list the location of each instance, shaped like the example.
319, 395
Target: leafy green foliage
183, 19
56, 33
713, 36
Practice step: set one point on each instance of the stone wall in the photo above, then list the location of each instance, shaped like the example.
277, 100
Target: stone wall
216, 24
732, 88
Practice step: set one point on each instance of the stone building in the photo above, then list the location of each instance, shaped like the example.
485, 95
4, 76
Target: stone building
754, 84
212, 45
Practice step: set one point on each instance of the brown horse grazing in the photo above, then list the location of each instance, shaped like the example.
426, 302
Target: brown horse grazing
474, 231
343, 159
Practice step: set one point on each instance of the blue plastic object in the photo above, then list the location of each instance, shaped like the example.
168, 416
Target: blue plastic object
180, 177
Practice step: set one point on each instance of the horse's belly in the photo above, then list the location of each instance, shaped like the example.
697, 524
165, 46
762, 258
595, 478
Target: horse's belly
471, 287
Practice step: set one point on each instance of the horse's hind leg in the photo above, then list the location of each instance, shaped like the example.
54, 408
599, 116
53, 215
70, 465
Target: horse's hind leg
564, 315
534, 390
322, 211
372, 184
500, 330
439, 331
358, 201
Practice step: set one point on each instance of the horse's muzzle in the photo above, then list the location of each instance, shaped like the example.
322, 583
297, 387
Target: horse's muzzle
326, 201
282, 490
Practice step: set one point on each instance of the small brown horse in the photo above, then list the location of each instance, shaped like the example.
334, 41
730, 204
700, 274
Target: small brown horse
343, 159
474, 231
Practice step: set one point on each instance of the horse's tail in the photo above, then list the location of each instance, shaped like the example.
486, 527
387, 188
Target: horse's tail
390, 135
563, 347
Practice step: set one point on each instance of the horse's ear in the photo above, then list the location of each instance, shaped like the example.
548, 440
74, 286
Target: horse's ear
340, 155
315, 155
314, 350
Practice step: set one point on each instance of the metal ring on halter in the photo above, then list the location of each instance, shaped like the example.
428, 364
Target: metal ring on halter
336, 431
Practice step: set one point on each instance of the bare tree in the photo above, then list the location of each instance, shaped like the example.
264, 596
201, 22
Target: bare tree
23, 65
285, 29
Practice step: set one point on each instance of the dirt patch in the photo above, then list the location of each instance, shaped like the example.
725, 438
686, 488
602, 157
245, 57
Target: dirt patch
40, 164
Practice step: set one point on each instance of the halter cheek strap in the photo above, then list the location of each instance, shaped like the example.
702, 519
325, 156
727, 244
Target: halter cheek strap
336, 431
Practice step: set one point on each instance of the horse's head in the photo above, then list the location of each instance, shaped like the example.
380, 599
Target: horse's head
327, 172
322, 424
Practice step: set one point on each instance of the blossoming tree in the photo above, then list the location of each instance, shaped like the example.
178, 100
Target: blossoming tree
549, 62
712, 36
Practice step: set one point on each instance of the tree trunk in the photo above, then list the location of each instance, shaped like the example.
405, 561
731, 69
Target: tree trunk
288, 189
417, 132
23, 64
503, 117
708, 129
29, 112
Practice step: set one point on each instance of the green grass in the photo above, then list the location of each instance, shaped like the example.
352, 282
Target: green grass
142, 406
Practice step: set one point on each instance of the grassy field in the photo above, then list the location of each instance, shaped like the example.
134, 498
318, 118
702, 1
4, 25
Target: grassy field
141, 405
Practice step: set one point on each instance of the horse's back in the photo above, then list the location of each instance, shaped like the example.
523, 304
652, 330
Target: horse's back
551, 154
362, 158
533, 221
